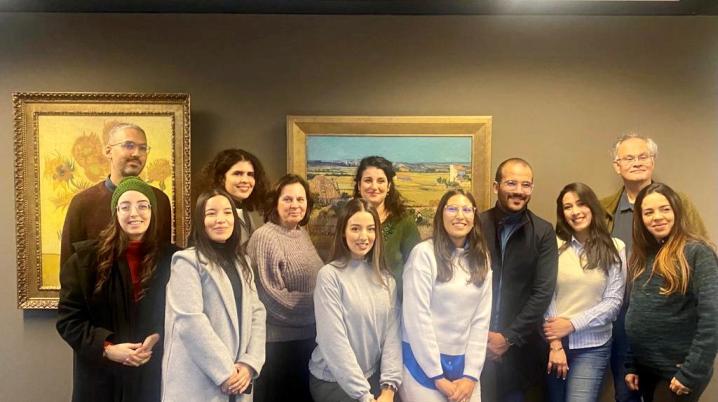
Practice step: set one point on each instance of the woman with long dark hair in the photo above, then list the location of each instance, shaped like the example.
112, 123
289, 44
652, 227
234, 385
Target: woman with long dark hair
672, 318
447, 306
358, 354
242, 176
112, 296
215, 324
374, 182
589, 291
286, 264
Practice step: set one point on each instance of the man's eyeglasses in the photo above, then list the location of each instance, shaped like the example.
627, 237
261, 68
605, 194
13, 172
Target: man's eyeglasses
453, 210
629, 159
131, 146
513, 185
142, 207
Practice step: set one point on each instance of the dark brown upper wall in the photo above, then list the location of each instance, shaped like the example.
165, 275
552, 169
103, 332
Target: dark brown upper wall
560, 90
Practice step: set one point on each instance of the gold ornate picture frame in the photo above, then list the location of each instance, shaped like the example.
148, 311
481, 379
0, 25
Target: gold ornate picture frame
430, 155
59, 143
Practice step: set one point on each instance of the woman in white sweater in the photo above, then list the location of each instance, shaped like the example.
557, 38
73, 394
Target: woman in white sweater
589, 291
447, 307
358, 352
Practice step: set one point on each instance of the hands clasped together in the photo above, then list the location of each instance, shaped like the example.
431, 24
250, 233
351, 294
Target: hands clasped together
132, 354
238, 382
458, 390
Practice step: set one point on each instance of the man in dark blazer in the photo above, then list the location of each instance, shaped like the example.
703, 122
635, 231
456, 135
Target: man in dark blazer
524, 261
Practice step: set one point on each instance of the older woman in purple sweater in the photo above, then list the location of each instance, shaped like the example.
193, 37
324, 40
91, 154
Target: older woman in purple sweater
286, 270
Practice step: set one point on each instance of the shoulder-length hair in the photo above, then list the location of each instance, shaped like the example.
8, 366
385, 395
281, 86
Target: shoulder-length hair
340, 250
600, 251
270, 212
476, 248
199, 238
394, 202
213, 175
112, 245
670, 263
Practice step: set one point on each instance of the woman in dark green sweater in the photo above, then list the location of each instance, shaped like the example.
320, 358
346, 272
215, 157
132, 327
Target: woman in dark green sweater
672, 319
374, 182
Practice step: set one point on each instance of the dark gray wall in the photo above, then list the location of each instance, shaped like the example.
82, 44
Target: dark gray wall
560, 90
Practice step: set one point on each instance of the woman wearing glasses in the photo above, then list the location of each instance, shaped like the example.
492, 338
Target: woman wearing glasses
112, 297
241, 175
672, 318
447, 307
374, 182
588, 295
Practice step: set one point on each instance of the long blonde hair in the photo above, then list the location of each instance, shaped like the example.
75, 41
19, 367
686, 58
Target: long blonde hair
670, 263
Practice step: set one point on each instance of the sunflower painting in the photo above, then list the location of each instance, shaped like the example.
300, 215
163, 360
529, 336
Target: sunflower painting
72, 158
59, 146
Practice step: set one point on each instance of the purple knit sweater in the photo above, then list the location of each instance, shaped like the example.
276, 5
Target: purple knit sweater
286, 265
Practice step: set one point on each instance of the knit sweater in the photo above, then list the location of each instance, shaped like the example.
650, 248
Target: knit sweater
357, 329
667, 331
444, 318
286, 265
400, 235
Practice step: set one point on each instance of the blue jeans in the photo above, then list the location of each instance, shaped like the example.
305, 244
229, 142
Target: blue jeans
585, 375
618, 359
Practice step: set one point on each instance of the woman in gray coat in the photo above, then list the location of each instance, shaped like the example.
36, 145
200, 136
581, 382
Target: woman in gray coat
214, 321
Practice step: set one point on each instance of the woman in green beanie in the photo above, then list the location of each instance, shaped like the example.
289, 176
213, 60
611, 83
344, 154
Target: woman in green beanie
112, 298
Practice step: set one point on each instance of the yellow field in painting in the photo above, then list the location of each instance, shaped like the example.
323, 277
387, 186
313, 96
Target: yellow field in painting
421, 190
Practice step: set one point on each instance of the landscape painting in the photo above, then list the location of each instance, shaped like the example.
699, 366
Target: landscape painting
426, 165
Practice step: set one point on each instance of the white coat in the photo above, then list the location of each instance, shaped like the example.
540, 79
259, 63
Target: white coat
203, 339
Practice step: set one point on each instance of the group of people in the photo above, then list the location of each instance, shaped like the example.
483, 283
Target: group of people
495, 306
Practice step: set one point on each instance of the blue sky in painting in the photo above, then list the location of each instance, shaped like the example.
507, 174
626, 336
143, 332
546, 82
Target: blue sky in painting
397, 149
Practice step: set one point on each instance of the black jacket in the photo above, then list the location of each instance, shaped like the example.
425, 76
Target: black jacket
86, 320
526, 272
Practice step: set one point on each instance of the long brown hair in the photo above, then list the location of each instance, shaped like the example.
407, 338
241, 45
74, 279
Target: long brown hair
478, 255
600, 250
113, 242
340, 251
203, 244
670, 262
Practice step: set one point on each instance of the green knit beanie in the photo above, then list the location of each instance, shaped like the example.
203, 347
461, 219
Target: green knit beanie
133, 183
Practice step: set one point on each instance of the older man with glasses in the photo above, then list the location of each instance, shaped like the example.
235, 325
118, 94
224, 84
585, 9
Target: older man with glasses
89, 212
634, 158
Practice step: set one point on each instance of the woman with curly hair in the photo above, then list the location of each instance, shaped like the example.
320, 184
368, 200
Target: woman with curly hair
374, 182
241, 175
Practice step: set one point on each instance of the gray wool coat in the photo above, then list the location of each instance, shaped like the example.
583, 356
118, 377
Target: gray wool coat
203, 339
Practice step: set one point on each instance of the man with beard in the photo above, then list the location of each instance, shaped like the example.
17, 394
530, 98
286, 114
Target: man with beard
524, 261
89, 211
634, 158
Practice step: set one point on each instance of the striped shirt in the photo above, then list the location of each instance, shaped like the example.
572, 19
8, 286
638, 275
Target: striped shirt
589, 298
